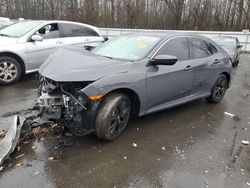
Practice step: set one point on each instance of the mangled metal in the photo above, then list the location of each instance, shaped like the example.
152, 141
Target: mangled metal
11, 139
67, 105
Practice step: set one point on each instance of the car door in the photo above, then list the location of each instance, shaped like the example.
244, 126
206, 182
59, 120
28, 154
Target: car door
79, 35
167, 84
38, 51
206, 64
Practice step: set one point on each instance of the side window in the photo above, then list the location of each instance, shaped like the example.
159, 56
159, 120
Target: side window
50, 31
212, 49
73, 30
199, 48
176, 47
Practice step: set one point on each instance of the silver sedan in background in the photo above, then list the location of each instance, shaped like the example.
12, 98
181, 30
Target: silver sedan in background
231, 45
26, 45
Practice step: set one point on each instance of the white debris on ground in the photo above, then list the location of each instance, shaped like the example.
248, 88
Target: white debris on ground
245, 142
134, 145
137, 129
51, 158
229, 114
235, 117
163, 148
19, 164
206, 171
34, 147
248, 183
36, 173
124, 157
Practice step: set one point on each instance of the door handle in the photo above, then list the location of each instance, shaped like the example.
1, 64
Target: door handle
188, 68
217, 61
59, 42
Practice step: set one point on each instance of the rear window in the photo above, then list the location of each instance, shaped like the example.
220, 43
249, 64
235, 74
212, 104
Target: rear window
212, 49
199, 48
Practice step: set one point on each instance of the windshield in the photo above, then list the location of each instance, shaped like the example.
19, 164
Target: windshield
127, 47
19, 29
225, 41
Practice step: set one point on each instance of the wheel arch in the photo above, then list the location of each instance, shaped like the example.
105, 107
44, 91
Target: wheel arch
133, 96
228, 78
16, 57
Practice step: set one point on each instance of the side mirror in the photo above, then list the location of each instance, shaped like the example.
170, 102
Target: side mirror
239, 46
36, 38
164, 60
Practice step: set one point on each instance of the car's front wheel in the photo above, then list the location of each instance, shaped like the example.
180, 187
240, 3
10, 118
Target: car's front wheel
113, 116
219, 89
10, 70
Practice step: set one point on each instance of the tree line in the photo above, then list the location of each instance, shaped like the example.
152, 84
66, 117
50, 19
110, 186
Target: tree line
231, 15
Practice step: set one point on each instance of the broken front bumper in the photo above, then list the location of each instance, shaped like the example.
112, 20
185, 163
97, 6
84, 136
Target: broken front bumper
69, 107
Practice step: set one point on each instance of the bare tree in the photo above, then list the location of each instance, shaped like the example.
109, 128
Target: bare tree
157, 14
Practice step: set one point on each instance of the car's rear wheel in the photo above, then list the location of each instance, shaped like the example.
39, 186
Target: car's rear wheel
113, 116
10, 70
219, 89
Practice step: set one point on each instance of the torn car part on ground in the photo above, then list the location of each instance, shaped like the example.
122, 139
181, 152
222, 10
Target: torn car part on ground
12, 138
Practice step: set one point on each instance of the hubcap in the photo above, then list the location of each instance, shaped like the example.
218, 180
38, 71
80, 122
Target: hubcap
119, 117
8, 71
220, 88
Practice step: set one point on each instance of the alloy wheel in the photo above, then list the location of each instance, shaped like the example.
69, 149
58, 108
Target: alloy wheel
220, 88
8, 71
119, 117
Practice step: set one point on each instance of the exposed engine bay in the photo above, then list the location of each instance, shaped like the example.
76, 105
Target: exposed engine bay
67, 105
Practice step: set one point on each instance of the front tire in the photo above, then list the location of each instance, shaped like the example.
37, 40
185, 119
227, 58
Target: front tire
112, 117
10, 70
219, 89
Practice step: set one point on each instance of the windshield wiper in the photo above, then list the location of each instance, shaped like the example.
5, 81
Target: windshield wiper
4, 35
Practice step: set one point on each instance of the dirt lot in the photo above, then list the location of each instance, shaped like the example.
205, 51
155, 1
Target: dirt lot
192, 146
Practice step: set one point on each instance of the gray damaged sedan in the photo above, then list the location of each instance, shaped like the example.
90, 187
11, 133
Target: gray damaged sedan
134, 74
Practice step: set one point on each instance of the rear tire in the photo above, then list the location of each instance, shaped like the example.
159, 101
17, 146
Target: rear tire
219, 89
112, 117
10, 70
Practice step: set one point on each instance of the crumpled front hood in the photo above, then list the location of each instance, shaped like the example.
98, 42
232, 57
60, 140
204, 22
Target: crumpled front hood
7, 40
73, 64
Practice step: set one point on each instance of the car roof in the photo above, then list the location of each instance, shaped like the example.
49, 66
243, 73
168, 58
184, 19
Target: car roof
61, 21
224, 36
167, 34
